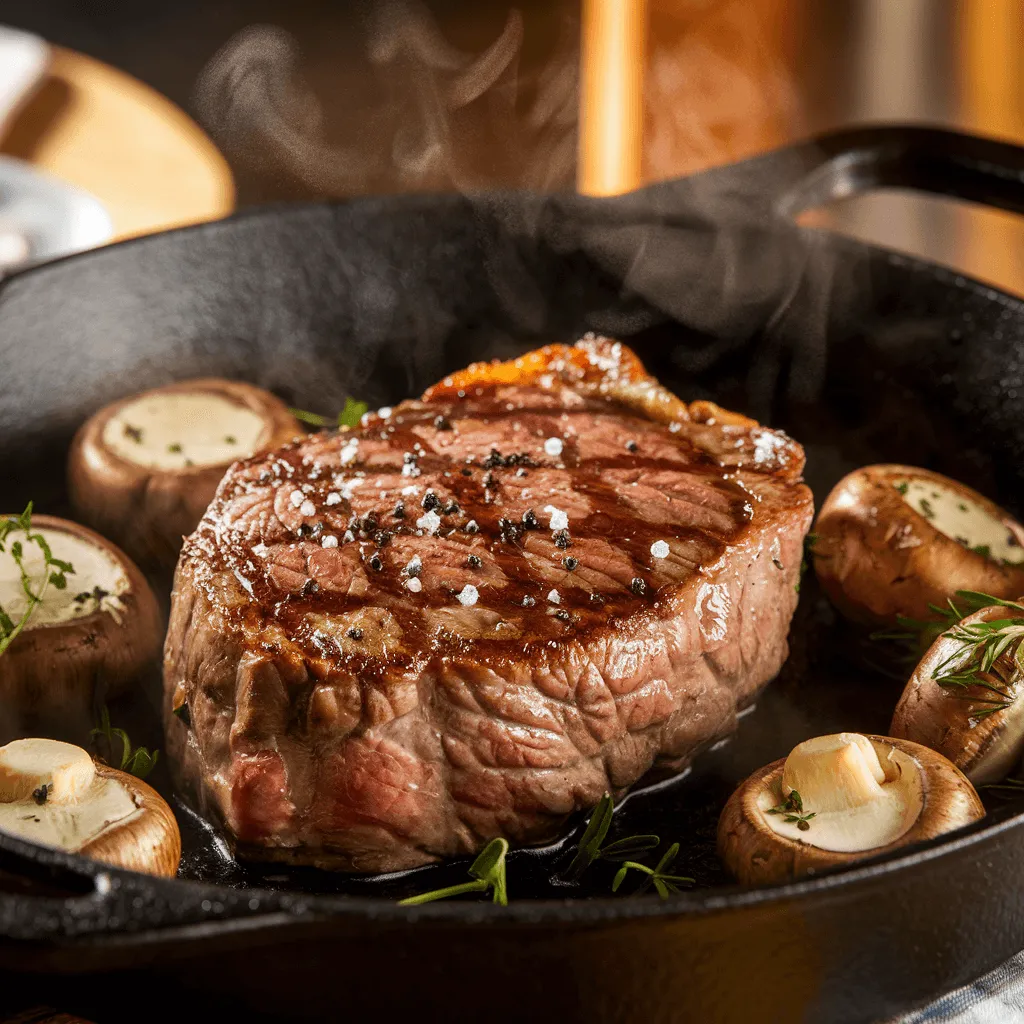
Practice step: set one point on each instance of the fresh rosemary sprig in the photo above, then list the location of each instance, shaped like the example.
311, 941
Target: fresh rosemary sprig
793, 809
1008, 785
590, 846
55, 572
658, 876
990, 658
486, 872
136, 761
348, 417
915, 636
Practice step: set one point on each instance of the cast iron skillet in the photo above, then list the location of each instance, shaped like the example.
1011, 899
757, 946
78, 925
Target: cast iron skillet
861, 354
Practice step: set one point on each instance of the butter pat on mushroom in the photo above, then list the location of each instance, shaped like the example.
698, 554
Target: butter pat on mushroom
143, 469
54, 794
837, 799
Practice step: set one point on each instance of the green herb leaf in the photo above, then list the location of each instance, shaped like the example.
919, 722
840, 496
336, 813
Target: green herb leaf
312, 418
487, 872
54, 572
138, 761
590, 847
665, 884
352, 413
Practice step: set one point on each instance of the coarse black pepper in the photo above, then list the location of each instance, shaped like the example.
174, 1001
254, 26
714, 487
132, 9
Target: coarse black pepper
596, 598
355, 633
474, 562
451, 509
510, 531
310, 587
528, 602
40, 794
638, 586
562, 614
472, 526
632, 446
570, 563
442, 423
562, 540
375, 563
490, 480
494, 459
382, 538
530, 520
399, 511
466, 471
430, 501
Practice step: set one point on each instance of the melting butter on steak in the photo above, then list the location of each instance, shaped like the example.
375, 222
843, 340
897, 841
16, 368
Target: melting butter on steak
478, 611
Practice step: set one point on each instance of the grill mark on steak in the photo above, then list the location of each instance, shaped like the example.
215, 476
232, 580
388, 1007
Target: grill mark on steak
347, 720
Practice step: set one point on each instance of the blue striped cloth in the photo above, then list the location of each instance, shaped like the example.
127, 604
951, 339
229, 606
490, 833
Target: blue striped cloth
996, 998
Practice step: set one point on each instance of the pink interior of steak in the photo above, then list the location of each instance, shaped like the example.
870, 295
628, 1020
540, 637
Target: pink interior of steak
472, 615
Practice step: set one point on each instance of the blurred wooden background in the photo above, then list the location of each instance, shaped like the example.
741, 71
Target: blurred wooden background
307, 99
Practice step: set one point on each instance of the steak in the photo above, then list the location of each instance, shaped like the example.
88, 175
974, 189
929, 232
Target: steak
475, 613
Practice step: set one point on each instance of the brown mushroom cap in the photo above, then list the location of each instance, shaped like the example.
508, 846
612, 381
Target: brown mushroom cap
985, 748
757, 855
150, 842
877, 557
54, 674
148, 510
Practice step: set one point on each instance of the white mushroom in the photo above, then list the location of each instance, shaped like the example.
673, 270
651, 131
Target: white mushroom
52, 793
837, 799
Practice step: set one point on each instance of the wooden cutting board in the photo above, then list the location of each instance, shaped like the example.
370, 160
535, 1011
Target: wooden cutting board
140, 155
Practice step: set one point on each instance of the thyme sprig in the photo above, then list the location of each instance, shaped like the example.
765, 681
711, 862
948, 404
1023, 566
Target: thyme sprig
137, 761
591, 848
664, 883
349, 416
486, 872
793, 809
55, 572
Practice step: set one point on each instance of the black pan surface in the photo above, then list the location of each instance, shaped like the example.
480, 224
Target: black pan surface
861, 354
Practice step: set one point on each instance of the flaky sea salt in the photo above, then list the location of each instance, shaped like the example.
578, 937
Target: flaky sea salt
414, 584
469, 595
296, 498
429, 521
659, 549
559, 520
330, 541
334, 498
553, 446
307, 508
349, 452
554, 597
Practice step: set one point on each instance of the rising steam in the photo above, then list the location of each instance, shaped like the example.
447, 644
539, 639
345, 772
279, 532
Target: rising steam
442, 112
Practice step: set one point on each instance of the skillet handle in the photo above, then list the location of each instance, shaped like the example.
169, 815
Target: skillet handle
847, 163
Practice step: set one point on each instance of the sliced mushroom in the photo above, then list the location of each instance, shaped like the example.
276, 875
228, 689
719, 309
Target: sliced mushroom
52, 793
981, 732
143, 469
84, 643
893, 539
836, 800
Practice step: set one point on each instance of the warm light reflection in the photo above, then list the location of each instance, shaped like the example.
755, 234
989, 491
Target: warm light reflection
611, 96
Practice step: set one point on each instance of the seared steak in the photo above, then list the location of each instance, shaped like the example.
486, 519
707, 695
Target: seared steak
477, 612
